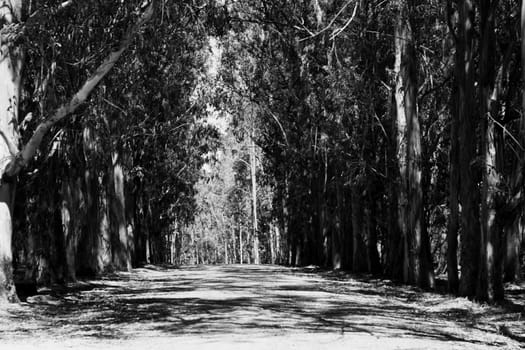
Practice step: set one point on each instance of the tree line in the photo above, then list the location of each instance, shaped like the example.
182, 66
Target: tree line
391, 135
382, 137
101, 135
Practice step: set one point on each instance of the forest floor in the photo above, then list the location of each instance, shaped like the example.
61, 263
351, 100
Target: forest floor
256, 307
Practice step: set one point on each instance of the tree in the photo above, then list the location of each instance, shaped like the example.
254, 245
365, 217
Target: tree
15, 22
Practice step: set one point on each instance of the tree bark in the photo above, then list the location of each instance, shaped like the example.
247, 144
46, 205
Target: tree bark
490, 284
337, 232
417, 267
240, 245
469, 195
394, 241
402, 39
373, 262
255, 224
454, 186
359, 261
11, 62
121, 252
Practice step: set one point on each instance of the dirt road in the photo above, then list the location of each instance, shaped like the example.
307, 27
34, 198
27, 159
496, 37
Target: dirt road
252, 307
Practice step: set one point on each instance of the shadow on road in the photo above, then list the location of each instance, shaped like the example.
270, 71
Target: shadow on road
214, 300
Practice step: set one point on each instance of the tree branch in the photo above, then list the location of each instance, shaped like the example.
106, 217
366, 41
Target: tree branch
29, 150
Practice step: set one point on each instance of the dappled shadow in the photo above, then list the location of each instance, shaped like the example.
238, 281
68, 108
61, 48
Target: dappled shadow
212, 300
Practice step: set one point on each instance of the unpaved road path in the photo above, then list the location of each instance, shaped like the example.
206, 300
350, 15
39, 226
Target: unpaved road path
252, 307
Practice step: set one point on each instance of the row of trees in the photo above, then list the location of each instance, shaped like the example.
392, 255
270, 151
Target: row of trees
391, 134
376, 136
101, 140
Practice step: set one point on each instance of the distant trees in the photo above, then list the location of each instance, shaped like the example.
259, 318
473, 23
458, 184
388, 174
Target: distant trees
346, 87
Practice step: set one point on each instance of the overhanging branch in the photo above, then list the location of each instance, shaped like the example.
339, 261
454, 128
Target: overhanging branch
29, 150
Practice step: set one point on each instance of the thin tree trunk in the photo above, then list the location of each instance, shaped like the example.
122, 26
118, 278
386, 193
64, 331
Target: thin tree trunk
337, 241
359, 249
234, 244
103, 253
226, 258
279, 252
374, 264
240, 244
272, 243
255, 227
513, 239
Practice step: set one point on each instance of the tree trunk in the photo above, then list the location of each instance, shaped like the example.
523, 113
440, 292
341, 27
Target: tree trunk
226, 258
417, 268
359, 263
255, 228
513, 239
121, 253
454, 186
469, 197
374, 264
240, 245
103, 252
271, 238
490, 284
72, 218
516, 234
394, 242
278, 250
11, 61
337, 232
234, 244
7, 285
402, 41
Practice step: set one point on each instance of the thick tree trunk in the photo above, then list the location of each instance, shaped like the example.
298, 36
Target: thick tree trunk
402, 40
121, 252
417, 268
394, 241
454, 186
490, 284
11, 61
7, 285
469, 196
516, 231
